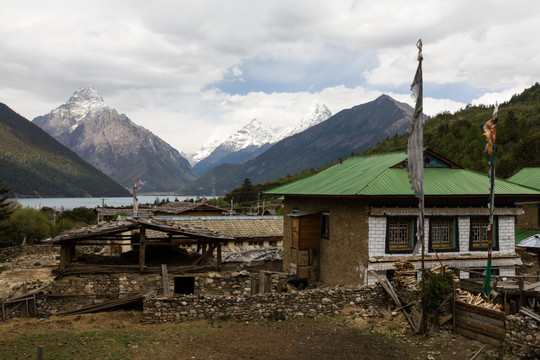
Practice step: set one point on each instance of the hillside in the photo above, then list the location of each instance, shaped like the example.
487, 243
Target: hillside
459, 136
33, 164
349, 131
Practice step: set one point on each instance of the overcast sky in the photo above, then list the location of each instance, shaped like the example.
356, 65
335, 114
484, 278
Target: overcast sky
190, 71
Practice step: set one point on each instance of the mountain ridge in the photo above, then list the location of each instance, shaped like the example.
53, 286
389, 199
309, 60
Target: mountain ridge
34, 164
114, 144
349, 131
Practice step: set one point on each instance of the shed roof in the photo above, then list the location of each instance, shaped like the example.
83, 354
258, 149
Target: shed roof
530, 242
103, 230
379, 175
529, 176
236, 227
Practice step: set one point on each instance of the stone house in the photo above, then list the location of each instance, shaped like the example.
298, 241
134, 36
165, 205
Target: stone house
530, 220
361, 215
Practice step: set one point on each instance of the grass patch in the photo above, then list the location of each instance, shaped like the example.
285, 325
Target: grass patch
3, 268
98, 344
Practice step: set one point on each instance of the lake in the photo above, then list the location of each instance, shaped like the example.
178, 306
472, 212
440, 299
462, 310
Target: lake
72, 203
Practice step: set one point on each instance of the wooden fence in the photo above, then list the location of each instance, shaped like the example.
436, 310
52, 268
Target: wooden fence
485, 325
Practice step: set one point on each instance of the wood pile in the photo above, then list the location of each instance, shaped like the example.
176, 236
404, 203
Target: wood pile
478, 300
405, 275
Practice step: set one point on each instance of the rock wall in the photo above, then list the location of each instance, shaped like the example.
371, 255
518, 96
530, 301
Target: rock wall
277, 306
523, 336
13, 252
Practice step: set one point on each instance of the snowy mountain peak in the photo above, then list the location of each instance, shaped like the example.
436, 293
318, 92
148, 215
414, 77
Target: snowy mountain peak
84, 101
253, 133
316, 115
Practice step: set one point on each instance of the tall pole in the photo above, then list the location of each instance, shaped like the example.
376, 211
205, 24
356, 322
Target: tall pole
415, 154
490, 131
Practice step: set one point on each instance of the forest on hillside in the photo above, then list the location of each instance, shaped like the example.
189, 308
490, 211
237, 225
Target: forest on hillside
459, 136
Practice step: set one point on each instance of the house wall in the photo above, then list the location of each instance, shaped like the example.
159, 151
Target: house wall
343, 256
530, 219
377, 241
377, 236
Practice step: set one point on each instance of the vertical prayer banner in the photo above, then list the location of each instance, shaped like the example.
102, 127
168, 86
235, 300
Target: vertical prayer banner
415, 147
490, 131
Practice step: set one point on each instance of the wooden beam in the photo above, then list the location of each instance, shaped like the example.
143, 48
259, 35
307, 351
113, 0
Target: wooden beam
206, 254
218, 257
165, 279
142, 249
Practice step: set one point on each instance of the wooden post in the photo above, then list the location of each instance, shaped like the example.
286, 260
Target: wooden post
35, 306
142, 249
521, 294
165, 279
218, 255
40, 352
63, 257
254, 286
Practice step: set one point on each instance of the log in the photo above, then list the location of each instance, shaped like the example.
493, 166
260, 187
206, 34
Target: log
445, 319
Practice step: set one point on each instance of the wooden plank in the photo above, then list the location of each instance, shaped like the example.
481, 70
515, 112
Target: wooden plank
486, 319
530, 313
527, 287
106, 305
479, 337
480, 327
445, 319
388, 287
494, 314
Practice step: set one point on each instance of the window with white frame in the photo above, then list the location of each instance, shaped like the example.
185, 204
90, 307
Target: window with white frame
479, 237
443, 233
400, 234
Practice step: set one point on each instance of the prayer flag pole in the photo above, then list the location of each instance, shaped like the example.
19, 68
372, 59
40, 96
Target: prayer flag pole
415, 153
490, 131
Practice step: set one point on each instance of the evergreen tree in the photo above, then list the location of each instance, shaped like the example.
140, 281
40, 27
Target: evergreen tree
5, 211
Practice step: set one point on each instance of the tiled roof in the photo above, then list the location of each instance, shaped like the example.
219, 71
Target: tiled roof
236, 227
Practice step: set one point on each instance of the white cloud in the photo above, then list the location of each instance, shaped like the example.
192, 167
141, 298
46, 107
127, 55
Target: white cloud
156, 61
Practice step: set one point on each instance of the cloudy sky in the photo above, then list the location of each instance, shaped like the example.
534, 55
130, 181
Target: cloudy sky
191, 71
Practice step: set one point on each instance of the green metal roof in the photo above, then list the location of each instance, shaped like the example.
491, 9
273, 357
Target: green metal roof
529, 176
374, 176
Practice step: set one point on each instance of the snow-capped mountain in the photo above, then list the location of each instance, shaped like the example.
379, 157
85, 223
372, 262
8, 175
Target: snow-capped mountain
244, 143
114, 144
317, 114
251, 140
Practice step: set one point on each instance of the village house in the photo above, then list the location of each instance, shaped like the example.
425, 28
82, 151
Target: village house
530, 220
360, 216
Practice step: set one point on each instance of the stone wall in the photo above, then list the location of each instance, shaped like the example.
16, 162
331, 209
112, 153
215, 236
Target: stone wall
76, 291
522, 336
72, 292
13, 252
276, 306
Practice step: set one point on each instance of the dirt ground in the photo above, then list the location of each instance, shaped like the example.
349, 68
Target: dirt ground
26, 273
120, 335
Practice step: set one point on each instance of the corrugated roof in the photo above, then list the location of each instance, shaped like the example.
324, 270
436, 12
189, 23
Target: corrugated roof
530, 242
374, 176
529, 176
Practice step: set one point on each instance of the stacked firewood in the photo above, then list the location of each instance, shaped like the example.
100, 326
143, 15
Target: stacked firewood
405, 275
478, 300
